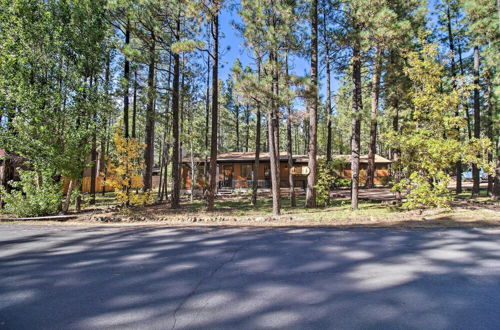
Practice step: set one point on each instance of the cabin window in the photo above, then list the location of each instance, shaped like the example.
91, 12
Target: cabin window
300, 170
267, 171
246, 171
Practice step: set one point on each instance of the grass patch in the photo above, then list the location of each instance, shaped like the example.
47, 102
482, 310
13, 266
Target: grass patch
237, 210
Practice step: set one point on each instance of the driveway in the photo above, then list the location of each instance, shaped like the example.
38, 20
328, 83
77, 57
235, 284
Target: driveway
76, 277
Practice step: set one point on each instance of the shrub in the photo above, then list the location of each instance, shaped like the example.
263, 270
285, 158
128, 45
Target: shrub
429, 142
327, 175
423, 193
342, 182
31, 197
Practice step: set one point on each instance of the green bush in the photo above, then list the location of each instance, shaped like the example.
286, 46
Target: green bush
31, 197
422, 193
328, 175
342, 182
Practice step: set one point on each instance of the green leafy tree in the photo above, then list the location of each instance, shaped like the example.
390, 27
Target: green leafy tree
36, 194
429, 142
49, 84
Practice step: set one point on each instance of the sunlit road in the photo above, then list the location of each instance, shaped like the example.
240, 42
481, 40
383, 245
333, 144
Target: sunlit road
72, 277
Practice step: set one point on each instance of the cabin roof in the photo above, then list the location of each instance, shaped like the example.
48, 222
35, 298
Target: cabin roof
245, 157
364, 159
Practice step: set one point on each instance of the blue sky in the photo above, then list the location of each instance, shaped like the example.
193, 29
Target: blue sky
232, 46
234, 41
236, 49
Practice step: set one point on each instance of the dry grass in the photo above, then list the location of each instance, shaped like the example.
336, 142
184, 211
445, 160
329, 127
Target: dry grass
237, 211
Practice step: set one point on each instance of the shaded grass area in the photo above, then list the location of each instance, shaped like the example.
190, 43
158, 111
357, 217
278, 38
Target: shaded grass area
483, 195
237, 210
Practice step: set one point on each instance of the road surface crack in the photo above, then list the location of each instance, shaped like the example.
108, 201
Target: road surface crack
202, 281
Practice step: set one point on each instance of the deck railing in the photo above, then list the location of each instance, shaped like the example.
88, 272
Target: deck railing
244, 184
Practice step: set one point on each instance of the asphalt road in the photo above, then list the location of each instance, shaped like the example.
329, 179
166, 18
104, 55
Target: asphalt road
71, 277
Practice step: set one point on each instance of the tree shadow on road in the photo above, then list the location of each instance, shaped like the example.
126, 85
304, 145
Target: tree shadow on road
200, 278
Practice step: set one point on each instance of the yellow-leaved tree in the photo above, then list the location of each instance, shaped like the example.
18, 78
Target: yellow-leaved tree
429, 140
124, 167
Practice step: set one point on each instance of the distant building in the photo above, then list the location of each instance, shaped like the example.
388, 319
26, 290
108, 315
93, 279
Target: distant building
9, 165
235, 170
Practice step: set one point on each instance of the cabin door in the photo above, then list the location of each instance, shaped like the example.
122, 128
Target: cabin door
227, 176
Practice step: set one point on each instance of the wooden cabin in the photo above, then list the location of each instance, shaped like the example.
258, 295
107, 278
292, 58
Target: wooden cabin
9, 166
234, 170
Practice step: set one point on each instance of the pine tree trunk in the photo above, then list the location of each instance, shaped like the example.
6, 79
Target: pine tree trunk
491, 132
495, 193
265, 147
341, 143
163, 146
274, 164
273, 137
215, 112
65, 207
78, 199
247, 127
293, 202
477, 122
166, 149
134, 106
162, 189
255, 171
161, 159
328, 92
356, 127
93, 169
458, 165
466, 106
396, 152
237, 121
102, 160
150, 120
207, 121
220, 141
193, 172
491, 178
105, 136
313, 109
296, 138
176, 175
182, 108
372, 148
126, 78
329, 114
307, 134
93, 155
